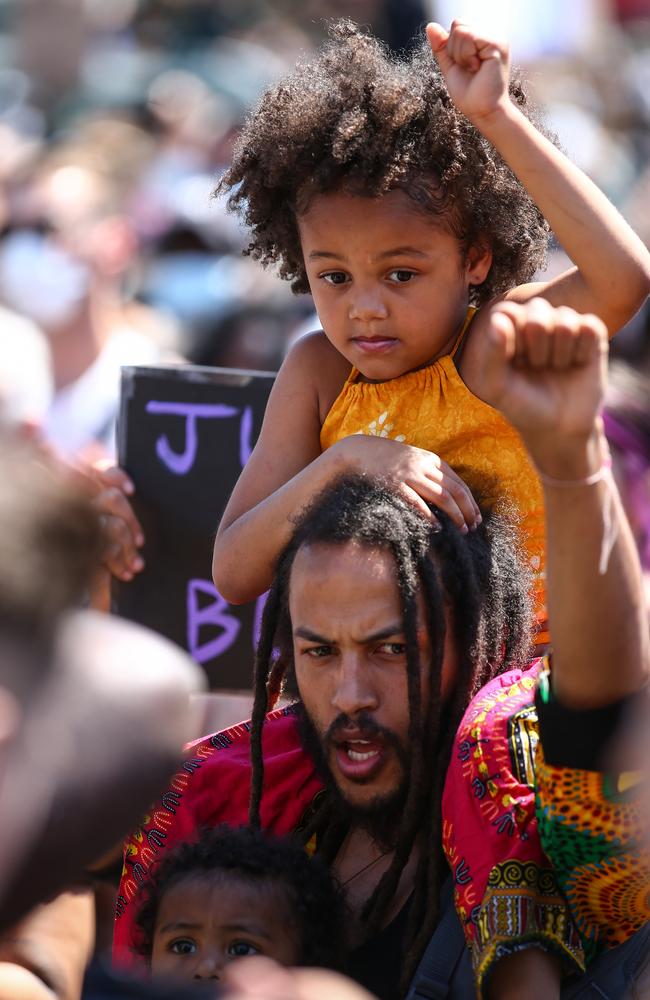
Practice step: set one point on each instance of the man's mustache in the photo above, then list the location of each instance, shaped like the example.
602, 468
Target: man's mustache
362, 727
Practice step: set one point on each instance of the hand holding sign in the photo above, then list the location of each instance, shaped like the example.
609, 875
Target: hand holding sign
184, 435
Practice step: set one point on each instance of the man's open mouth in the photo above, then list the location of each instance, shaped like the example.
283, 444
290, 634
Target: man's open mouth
358, 759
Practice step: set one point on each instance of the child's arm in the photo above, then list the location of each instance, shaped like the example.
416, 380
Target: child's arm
287, 469
612, 273
531, 974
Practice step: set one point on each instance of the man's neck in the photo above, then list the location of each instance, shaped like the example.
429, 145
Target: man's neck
359, 866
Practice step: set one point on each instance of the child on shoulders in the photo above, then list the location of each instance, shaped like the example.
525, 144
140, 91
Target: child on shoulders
408, 195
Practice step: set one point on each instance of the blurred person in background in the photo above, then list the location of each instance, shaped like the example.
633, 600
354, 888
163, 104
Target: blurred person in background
64, 257
81, 697
627, 425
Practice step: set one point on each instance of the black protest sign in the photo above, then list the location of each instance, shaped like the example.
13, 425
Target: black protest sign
184, 434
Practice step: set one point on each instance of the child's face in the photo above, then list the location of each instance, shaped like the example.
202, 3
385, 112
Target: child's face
391, 287
206, 921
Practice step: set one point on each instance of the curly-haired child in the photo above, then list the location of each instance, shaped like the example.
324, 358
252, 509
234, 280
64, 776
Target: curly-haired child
409, 195
237, 892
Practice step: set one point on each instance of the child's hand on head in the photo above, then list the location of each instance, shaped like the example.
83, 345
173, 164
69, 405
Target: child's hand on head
476, 69
424, 477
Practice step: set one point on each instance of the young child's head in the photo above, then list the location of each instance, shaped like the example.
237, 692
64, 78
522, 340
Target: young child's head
358, 143
234, 893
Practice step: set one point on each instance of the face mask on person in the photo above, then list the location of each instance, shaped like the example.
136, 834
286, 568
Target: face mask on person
40, 279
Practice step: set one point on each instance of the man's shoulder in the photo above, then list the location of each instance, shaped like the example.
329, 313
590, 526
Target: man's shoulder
213, 782
229, 745
504, 695
497, 735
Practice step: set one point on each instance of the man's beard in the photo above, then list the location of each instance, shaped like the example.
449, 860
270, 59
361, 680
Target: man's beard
380, 817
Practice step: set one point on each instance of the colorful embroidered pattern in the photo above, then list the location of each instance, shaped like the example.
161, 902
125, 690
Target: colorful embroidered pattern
591, 826
506, 894
522, 904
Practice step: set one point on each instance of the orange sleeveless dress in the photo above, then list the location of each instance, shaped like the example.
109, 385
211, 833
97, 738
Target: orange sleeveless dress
432, 408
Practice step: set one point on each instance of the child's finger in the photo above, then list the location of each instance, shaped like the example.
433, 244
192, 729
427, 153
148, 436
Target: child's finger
462, 47
441, 495
413, 496
438, 41
437, 35
441, 472
489, 49
461, 495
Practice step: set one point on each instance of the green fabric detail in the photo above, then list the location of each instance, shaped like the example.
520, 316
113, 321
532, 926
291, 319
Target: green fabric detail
569, 848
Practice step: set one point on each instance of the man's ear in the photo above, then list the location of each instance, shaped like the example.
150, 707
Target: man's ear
478, 262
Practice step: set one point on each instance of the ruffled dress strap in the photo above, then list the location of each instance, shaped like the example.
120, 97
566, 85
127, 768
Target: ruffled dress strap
460, 339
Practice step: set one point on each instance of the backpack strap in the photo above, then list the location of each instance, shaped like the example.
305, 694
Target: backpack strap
614, 973
434, 975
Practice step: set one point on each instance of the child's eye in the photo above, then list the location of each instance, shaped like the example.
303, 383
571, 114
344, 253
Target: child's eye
240, 949
183, 946
401, 276
335, 277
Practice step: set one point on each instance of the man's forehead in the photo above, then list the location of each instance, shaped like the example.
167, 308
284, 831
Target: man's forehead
319, 561
350, 587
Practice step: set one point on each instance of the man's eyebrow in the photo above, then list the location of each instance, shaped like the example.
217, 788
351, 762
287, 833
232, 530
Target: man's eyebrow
306, 633
396, 628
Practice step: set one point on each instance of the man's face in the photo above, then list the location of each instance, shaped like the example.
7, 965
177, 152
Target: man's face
350, 663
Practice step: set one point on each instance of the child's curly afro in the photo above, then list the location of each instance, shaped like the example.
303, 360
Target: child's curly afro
358, 118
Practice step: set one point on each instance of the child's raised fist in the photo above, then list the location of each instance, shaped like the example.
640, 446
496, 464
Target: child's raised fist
476, 69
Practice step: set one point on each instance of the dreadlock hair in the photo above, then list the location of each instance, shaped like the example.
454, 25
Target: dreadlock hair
480, 579
360, 119
315, 900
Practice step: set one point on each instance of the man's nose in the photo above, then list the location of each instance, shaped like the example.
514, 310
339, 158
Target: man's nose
354, 691
367, 303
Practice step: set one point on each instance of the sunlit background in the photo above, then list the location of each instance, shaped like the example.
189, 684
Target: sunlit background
116, 117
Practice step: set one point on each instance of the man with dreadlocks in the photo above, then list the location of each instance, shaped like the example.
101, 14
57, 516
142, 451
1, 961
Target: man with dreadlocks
388, 626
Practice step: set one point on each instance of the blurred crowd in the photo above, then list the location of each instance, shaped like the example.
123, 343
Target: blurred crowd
115, 121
